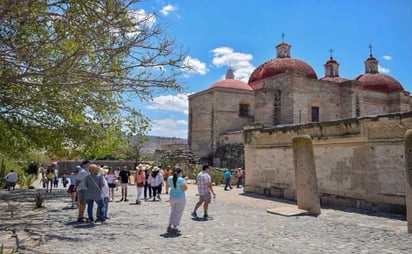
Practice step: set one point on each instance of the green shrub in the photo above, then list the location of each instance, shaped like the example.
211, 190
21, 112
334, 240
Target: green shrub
3, 251
217, 176
28, 180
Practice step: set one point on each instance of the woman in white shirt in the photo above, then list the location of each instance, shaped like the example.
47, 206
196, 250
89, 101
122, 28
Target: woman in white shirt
111, 178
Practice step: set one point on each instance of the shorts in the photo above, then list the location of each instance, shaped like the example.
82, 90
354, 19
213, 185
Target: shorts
207, 198
72, 188
11, 184
124, 185
112, 185
81, 196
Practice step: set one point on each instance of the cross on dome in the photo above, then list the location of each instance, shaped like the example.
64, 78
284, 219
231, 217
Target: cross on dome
370, 49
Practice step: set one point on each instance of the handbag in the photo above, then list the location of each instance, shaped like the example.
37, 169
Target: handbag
141, 184
71, 190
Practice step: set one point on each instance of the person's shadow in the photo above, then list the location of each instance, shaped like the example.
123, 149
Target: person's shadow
202, 219
170, 235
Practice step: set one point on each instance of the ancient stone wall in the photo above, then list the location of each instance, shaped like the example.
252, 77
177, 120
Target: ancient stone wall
359, 162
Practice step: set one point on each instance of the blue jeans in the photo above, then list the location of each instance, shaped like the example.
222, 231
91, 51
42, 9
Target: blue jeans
239, 181
227, 181
147, 187
100, 206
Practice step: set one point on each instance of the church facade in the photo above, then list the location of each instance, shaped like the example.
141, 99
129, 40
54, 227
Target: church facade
286, 91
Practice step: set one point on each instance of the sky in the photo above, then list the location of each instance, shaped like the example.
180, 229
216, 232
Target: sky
242, 34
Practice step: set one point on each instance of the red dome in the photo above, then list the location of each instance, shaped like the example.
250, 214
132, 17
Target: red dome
281, 65
379, 82
231, 83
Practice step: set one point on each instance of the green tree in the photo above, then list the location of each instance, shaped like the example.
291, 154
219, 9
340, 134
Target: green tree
70, 72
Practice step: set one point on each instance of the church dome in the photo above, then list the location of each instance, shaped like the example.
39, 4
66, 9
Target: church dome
379, 82
230, 82
375, 81
281, 64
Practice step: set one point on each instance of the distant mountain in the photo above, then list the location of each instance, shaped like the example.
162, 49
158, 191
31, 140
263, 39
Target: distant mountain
153, 143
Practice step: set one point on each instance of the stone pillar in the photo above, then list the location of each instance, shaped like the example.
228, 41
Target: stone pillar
408, 163
307, 194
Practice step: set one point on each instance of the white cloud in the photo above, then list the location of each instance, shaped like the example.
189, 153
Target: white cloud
142, 18
387, 58
168, 9
195, 66
169, 127
239, 62
384, 70
175, 103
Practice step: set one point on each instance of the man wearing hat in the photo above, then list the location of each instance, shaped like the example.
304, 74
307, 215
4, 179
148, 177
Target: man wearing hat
81, 189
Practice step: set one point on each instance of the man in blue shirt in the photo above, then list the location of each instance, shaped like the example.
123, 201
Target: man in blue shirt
228, 175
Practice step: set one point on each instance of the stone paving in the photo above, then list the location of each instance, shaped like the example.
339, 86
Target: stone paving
241, 224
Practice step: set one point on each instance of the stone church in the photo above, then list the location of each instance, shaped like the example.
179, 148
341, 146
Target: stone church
285, 91
357, 126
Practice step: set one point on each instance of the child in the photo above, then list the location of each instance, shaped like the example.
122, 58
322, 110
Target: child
55, 182
44, 181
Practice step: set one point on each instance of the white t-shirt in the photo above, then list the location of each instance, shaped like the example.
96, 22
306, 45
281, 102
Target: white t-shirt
11, 177
105, 189
110, 178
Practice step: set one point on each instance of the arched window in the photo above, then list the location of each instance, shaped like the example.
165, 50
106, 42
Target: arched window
276, 107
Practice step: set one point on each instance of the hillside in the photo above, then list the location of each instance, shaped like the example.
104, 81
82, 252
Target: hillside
160, 143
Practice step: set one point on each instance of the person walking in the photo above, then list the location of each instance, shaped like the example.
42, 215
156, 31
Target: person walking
55, 182
111, 182
50, 178
72, 186
116, 179
156, 181
166, 174
205, 189
177, 199
11, 180
64, 180
124, 176
228, 175
239, 175
81, 189
94, 183
147, 187
105, 197
139, 179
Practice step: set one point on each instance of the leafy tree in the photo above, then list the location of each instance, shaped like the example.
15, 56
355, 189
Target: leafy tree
71, 70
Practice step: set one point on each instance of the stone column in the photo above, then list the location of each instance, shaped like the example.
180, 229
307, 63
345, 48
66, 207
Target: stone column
307, 194
408, 163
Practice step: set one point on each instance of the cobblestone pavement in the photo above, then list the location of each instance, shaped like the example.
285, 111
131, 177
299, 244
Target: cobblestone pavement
240, 224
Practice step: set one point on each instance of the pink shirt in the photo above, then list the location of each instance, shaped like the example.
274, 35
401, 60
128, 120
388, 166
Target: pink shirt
139, 178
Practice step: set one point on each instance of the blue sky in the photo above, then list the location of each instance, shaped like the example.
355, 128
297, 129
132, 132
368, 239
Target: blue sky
243, 35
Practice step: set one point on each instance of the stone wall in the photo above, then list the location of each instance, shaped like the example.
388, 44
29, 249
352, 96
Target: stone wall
213, 112
359, 162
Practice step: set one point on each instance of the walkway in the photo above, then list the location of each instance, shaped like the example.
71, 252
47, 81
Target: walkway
241, 224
